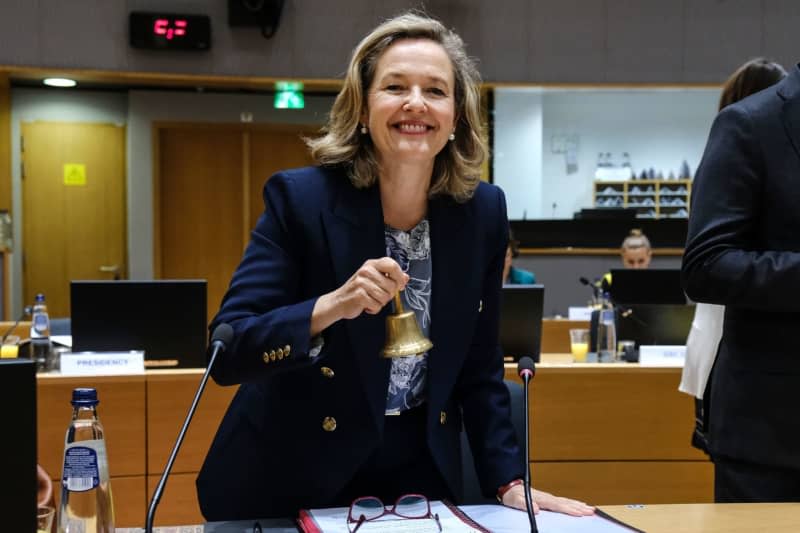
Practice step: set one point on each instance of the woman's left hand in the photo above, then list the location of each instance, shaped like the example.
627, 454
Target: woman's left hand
515, 497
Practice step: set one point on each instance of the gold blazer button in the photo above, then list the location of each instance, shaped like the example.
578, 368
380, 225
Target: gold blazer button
442, 418
279, 351
272, 355
286, 350
329, 423
265, 357
327, 372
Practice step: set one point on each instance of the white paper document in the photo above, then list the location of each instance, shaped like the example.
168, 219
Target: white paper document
494, 518
500, 519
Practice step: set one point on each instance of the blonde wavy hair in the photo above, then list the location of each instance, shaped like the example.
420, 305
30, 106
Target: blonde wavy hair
457, 168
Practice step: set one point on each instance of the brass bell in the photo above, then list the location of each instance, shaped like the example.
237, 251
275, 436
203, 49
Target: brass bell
403, 336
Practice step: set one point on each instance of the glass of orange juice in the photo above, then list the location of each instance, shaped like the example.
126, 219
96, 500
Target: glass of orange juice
44, 517
579, 344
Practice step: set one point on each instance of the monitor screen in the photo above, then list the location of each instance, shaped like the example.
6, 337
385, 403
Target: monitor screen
654, 324
165, 318
18, 448
646, 286
521, 320
606, 213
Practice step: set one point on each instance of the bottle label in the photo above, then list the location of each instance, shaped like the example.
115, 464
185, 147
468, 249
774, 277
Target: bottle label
41, 325
85, 465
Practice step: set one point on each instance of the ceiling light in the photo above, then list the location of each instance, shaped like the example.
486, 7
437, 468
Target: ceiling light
59, 82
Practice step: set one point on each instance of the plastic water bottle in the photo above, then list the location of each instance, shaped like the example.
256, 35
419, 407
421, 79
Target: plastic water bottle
40, 334
606, 333
86, 502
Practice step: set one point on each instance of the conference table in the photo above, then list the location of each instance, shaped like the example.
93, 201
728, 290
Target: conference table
607, 434
677, 518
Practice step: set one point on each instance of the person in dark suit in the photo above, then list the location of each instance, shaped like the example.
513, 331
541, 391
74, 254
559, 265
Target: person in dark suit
396, 204
701, 345
742, 252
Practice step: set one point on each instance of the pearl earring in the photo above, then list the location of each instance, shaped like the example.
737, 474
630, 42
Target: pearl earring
452, 137
364, 130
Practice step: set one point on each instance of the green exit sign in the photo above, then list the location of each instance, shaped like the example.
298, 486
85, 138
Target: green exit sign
289, 95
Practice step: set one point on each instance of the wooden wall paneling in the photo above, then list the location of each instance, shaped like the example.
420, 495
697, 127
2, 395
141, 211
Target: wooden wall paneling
627, 482
246, 188
5, 143
121, 411
199, 188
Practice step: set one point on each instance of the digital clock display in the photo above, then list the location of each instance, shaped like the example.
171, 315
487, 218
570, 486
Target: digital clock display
169, 31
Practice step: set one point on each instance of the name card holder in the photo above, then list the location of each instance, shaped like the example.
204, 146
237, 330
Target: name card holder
102, 363
662, 355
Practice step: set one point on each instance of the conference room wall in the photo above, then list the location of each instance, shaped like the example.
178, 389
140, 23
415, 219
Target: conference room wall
523, 41
138, 110
28, 105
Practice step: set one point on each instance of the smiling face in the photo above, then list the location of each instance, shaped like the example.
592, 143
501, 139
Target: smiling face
411, 106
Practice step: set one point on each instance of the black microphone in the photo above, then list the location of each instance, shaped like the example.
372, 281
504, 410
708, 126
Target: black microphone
27, 310
222, 336
596, 293
526, 369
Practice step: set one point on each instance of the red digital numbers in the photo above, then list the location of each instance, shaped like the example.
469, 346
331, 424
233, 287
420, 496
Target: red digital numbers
170, 29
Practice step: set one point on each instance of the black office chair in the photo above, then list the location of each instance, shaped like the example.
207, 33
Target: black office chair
472, 489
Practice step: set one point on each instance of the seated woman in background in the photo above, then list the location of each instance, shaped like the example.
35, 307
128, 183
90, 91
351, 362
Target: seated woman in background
635, 252
512, 275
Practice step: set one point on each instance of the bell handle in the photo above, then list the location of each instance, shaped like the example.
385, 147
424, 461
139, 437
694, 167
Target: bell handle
398, 304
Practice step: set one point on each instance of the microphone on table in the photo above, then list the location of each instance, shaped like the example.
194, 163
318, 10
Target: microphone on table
222, 336
526, 369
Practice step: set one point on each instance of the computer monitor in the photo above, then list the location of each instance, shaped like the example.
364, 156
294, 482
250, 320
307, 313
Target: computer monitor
521, 320
654, 324
18, 448
646, 286
165, 318
606, 213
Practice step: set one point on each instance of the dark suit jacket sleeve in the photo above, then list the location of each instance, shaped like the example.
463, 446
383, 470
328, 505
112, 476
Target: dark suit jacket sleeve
725, 261
264, 302
484, 396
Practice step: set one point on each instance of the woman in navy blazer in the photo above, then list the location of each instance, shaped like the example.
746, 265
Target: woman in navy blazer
397, 204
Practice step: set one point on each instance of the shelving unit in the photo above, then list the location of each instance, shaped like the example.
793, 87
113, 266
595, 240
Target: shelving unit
651, 198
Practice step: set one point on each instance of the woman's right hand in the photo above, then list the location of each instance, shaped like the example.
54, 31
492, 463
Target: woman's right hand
367, 291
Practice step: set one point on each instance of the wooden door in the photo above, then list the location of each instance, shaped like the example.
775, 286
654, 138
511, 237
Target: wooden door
208, 196
73, 217
271, 151
199, 206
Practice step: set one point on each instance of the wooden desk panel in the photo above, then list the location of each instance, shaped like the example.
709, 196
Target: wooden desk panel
169, 395
121, 411
555, 334
129, 503
610, 412
178, 502
705, 518
627, 482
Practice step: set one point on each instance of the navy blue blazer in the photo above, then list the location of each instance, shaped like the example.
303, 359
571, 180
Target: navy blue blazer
743, 251
272, 455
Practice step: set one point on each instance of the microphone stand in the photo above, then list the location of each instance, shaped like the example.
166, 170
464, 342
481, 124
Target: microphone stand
526, 372
221, 337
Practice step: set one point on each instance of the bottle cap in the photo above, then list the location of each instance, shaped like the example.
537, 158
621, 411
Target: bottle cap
84, 397
39, 297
